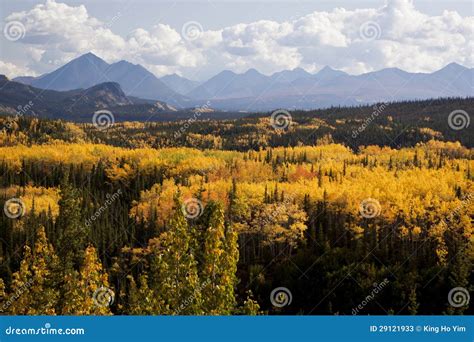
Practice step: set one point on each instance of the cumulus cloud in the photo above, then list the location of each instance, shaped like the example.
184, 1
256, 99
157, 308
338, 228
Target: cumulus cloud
161, 46
12, 70
57, 32
356, 41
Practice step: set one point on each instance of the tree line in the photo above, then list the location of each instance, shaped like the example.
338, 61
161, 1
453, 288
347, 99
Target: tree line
322, 221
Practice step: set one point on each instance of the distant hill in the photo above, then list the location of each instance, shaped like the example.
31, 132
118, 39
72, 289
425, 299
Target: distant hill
103, 95
179, 84
74, 104
398, 124
229, 85
290, 75
25, 79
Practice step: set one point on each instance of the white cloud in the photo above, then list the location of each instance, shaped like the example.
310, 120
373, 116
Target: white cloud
256, 45
59, 32
405, 38
161, 46
11, 70
318, 28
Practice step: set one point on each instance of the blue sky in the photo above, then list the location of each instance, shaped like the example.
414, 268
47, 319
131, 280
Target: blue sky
355, 36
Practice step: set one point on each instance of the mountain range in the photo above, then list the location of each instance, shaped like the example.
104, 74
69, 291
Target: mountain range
78, 105
254, 91
89, 70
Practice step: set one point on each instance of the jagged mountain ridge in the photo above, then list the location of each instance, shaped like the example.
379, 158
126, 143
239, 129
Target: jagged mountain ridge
254, 91
89, 70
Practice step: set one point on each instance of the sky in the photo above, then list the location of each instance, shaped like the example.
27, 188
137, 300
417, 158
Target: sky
198, 39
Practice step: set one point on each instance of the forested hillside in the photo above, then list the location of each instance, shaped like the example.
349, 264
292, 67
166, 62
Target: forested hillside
101, 229
399, 124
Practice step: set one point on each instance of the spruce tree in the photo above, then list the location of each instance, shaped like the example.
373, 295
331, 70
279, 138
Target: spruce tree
73, 232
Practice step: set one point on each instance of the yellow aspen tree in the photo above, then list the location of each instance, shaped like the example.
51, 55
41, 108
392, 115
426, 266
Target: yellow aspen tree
34, 285
142, 300
174, 268
87, 292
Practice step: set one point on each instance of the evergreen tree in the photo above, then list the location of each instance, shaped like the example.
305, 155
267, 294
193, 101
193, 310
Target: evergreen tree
412, 302
73, 232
